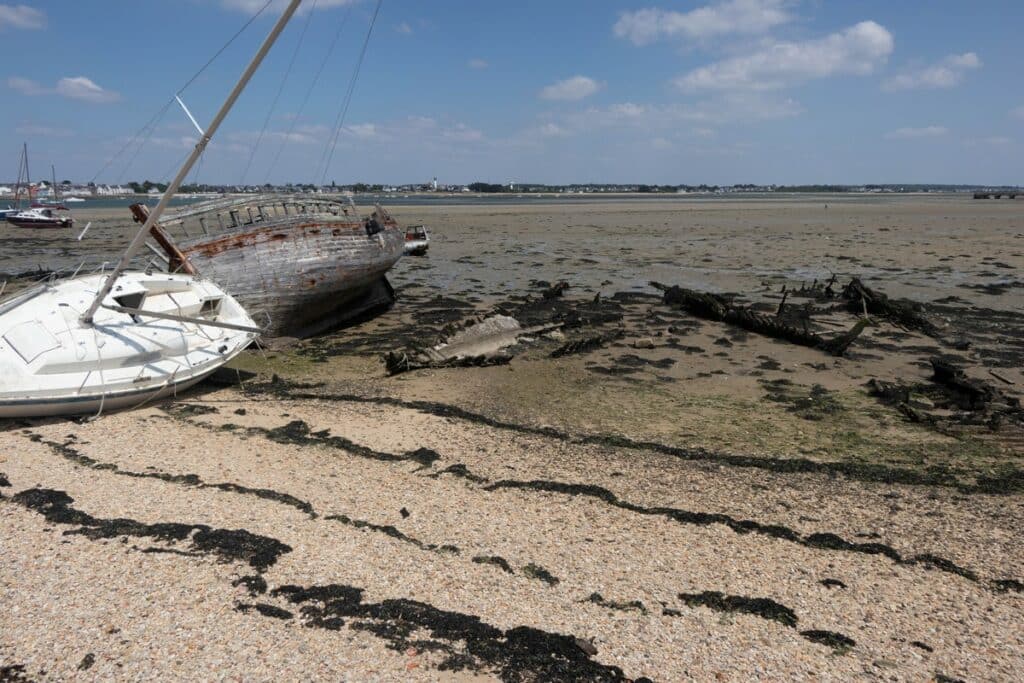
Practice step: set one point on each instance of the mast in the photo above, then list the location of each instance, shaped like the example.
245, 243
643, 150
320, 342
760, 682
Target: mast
21, 173
28, 176
56, 194
140, 236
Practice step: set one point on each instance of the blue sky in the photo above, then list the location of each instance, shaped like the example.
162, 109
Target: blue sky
731, 91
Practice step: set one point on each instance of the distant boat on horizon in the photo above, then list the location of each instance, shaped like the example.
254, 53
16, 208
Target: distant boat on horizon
39, 214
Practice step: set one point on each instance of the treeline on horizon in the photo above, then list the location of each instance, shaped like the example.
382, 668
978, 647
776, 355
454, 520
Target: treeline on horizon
495, 188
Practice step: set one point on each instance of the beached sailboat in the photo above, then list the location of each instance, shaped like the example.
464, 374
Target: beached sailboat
306, 263
43, 216
155, 335
97, 342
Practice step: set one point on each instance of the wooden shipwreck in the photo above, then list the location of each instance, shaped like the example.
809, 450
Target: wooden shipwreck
299, 264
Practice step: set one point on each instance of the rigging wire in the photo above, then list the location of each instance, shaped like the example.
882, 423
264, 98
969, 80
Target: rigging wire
309, 92
224, 47
280, 89
340, 121
151, 124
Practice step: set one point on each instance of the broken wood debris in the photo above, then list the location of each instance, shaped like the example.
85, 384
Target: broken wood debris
397, 362
719, 308
860, 297
556, 290
586, 344
477, 344
952, 400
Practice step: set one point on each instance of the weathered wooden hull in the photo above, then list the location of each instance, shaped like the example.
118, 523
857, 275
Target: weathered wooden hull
304, 274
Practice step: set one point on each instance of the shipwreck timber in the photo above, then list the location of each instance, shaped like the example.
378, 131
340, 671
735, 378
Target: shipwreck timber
303, 265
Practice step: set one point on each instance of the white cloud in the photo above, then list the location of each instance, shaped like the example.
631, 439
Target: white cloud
21, 16
571, 89
460, 132
25, 86
552, 130
410, 131
306, 134
1018, 113
42, 131
74, 87
661, 144
857, 50
478, 63
363, 131
945, 74
992, 141
670, 118
82, 88
404, 28
914, 133
729, 17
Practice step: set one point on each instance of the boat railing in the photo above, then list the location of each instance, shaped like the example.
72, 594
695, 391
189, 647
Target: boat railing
224, 215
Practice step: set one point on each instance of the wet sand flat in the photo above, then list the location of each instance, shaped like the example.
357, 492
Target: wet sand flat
684, 500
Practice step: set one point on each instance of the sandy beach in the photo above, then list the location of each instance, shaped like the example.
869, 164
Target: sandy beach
674, 498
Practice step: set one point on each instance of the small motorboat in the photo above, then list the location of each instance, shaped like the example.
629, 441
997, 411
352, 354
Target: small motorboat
9, 211
153, 335
40, 217
417, 240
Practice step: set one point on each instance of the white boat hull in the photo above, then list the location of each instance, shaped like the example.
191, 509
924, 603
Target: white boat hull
52, 364
92, 405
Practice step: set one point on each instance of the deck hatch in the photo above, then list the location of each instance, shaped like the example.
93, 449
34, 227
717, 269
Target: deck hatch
30, 340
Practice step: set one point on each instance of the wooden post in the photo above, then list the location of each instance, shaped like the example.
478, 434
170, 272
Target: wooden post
176, 260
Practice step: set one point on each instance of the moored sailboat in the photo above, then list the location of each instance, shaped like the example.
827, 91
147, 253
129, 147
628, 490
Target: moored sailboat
38, 215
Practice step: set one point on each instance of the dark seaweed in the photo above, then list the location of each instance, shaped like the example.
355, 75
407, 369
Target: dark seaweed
815, 403
819, 541
517, 654
14, 673
227, 545
389, 530
825, 541
263, 608
68, 452
1012, 481
535, 571
254, 584
1007, 585
760, 607
622, 606
496, 560
836, 641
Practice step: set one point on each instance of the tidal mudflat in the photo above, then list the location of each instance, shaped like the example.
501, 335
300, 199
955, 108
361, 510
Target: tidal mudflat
642, 489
